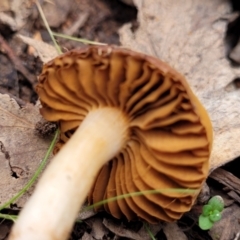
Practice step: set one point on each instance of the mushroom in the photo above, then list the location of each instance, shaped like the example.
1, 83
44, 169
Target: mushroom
128, 122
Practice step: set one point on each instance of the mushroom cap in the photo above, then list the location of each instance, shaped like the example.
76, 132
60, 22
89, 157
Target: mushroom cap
170, 134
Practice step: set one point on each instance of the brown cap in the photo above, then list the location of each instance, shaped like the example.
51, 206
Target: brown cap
170, 134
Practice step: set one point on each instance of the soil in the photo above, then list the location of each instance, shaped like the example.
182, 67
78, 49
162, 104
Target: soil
103, 19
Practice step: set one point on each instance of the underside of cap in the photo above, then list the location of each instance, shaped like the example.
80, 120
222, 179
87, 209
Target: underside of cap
170, 136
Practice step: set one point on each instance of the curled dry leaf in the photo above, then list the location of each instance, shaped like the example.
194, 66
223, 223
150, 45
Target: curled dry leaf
45, 51
20, 149
189, 35
98, 230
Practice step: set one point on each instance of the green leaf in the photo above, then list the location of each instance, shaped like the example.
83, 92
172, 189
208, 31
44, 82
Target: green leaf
204, 222
215, 216
206, 210
217, 203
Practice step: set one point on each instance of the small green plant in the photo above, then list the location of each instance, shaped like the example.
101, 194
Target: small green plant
211, 212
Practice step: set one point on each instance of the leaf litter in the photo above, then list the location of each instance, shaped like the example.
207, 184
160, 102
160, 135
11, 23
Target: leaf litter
190, 37
21, 148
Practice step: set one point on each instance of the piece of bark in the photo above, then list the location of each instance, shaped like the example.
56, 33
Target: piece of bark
227, 179
234, 196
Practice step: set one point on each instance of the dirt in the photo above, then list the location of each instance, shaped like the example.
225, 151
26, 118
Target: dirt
103, 18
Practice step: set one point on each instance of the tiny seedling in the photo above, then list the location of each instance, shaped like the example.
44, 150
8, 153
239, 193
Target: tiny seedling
211, 212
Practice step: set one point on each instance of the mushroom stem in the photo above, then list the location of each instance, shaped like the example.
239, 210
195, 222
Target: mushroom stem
52, 209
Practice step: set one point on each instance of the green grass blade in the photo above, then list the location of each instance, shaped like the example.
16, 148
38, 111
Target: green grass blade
48, 28
9, 217
136, 194
146, 226
82, 40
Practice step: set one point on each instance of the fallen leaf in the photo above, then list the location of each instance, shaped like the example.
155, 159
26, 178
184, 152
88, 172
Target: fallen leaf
21, 9
173, 231
21, 151
121, 231
189, 35
56, 11
98, 230
235, 53
84, 214
228, 226
45, 51
8, 20
4, 230
4, 5
87, 236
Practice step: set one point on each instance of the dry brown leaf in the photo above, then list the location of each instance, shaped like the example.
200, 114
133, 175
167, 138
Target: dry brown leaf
21, 9
228, 227
21, 151
4, 5
87, 236
56, 11
98, 231
173, 231
84, 214
189, 35
4, 230
45, 51
8, 20
121, 231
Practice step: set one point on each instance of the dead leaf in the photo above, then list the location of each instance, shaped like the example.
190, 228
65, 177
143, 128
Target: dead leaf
121, 231
235, 53
189, 35
228, 227
45, 51
56, 11
8, 20
84, 214
173, 231
87, 236
21, 151
21, 9
98, 230
4, 5
4, 230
